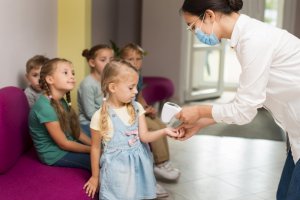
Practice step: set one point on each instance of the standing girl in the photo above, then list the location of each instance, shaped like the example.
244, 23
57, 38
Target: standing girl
53, 124
89, 95
126, 163
163, 168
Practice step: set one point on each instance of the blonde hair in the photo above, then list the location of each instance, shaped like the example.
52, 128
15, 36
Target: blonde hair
68, 119
111, 74
131, 47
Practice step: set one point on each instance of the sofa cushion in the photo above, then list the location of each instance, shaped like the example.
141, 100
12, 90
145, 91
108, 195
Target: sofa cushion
157, 89
14, 135
30, 179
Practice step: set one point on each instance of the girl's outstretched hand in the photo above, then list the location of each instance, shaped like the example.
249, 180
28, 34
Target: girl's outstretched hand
91, 186
175, 133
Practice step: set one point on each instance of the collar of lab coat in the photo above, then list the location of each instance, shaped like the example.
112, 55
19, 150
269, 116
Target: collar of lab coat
237, 29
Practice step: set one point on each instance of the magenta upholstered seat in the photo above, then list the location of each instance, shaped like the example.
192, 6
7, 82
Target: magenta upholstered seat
14, 136
22, 175
28, 179
157, 89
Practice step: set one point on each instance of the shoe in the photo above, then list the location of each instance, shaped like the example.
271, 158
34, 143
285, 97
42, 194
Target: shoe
161, 192
166, 171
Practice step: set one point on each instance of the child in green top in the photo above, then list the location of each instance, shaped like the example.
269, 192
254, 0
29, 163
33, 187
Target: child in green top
53, 124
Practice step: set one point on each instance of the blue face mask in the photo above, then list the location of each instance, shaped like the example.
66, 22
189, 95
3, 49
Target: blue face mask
210, 39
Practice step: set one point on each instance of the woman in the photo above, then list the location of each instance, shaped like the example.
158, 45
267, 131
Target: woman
270, 78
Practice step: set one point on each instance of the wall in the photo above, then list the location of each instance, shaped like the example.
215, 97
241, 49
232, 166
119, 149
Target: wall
27, 28
254, 8
155, 25
116, 20
162, 39
74, 35
296, 24
103, 21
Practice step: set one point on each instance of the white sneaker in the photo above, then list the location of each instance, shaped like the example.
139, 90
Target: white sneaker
161, 192
166, 171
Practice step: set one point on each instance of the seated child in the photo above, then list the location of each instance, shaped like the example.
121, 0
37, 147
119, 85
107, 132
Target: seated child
53, 123
89, 95
33, 68
126, 165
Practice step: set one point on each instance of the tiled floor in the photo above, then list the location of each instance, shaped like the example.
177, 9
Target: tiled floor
225, 168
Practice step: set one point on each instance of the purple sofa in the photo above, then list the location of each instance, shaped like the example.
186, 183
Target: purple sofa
157, 89
22, 175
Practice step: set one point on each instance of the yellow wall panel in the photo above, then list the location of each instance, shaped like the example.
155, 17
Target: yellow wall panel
74, 35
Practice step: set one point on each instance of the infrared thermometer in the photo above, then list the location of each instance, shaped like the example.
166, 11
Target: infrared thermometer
168, 114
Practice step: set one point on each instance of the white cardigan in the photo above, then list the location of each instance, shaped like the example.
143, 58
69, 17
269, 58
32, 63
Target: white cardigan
270, 78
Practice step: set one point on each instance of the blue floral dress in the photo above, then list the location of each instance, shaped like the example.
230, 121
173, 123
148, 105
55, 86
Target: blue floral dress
126, 164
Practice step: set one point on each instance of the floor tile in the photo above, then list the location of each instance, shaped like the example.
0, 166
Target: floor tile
225, 168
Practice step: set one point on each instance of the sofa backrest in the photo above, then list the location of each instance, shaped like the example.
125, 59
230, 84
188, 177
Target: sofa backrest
14, 134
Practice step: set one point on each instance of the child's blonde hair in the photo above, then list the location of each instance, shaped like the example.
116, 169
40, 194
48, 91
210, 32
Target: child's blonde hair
68, 120
35, 62
131, 47
111, 74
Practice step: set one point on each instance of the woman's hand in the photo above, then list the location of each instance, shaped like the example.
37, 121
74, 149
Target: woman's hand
91, 186
192, 129
191, 114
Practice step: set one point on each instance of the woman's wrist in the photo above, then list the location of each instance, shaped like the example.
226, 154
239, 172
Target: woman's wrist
204, 111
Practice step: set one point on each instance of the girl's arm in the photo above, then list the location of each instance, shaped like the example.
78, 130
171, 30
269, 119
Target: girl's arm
91, 185
150, 136
84, 139
61, 140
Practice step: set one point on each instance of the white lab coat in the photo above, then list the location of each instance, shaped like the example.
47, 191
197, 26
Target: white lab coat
270, 78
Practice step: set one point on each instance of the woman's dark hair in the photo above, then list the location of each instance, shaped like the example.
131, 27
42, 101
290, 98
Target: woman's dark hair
198, 7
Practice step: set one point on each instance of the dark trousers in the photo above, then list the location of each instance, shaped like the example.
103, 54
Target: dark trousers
289, 184
75, 160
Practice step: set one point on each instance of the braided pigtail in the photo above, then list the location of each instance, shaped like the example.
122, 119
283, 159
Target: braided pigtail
131, 112
104, 120
61, 114
74, 120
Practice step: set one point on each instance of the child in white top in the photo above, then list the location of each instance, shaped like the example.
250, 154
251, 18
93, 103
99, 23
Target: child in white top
126, 165
163, 168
